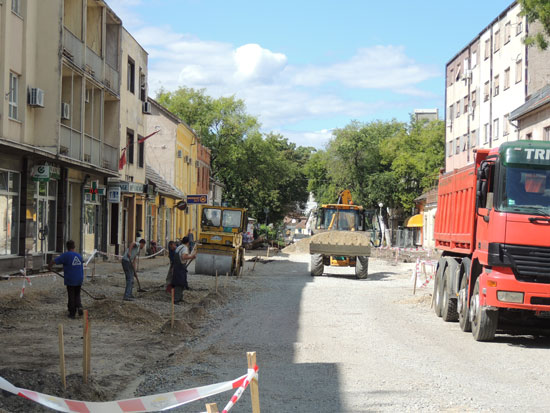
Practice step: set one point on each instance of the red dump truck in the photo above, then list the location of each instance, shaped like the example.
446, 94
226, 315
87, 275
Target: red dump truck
493, 228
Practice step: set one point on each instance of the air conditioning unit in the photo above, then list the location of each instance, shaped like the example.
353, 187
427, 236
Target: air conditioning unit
147, 108
87, 158
36, 97
180, 153
189, 160
186, 159
65, 111
197, 164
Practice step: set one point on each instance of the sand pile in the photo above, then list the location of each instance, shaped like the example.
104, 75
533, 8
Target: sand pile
300, 247
342, 238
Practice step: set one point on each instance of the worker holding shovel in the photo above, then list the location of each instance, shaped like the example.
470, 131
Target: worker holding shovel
129, 267
73, 273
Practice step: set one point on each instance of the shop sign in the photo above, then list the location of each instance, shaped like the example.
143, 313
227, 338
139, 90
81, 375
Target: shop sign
43, 173
197, 199
113, 194
135, 187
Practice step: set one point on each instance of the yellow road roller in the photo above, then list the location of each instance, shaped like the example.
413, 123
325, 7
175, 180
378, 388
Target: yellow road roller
219, 246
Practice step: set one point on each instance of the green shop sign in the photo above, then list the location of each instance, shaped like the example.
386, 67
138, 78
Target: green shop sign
45, 173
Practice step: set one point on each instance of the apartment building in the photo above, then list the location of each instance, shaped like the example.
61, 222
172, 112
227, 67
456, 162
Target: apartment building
59, 125
127, 211
488, 79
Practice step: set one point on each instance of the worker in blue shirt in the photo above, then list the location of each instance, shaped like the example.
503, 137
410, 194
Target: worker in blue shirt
73, 273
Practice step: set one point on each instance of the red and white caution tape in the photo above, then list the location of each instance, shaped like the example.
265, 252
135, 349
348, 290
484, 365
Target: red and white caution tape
429, 275
251, 374
152, 403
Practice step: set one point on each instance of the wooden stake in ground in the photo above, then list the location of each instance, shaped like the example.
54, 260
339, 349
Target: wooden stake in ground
85, 351
254, 388
255, 261
216, 281
211, 408
62, 356
173, 308
225, 281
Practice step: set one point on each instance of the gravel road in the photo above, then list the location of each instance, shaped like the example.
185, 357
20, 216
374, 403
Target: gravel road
337, 344
324, 344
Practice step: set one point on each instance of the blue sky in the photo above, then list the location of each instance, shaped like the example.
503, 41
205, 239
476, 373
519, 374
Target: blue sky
307, 67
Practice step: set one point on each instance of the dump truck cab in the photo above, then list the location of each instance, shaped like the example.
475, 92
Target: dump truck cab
220, 240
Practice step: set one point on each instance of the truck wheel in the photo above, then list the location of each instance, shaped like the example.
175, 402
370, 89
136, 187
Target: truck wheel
362, 267
448, 304
317, 266
463, 312
437, 285
484, 321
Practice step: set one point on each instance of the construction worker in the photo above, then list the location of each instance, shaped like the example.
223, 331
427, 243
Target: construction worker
73, 273
129, 267
182, 257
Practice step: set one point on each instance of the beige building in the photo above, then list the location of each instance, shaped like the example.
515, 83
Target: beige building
493, 75
127, 211
59, 125
533, 117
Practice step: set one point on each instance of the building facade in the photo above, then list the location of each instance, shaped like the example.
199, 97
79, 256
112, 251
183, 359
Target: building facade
60, 72
493, 75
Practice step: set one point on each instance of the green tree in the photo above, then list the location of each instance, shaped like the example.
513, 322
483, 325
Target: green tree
537, 10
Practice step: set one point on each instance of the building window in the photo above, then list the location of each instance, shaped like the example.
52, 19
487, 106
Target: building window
529, 136
16, 6
496, 85
546, 134
507, 32
487, 48
474, 99
474, 59
450, 150
466, 101
497, 41
457, 144
131, 75
458, 108
451, 76
506, 78
519, 69
141, 151
13, 96
142, 86
9, 208
465, 143
451, 112
474, 138
486, 133
505, 126
519, 24
130, 143
486, 92
495, 129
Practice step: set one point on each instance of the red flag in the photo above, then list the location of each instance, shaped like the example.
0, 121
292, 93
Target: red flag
148, 136
122, 160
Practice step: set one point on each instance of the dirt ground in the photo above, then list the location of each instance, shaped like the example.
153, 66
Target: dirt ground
128, 338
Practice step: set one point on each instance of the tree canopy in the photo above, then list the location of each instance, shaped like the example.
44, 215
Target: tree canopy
383, 161
258, 170
537, 10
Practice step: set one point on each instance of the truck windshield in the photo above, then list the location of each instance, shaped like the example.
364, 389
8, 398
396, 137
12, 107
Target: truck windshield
342, 219
231, 219
211, 217
526, 190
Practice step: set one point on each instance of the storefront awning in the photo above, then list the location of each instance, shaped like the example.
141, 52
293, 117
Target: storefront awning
416, 221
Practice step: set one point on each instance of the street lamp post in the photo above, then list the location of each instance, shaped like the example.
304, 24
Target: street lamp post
381, 223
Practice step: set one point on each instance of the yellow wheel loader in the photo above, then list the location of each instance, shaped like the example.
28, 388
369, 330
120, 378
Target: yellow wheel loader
340, 237
220, 240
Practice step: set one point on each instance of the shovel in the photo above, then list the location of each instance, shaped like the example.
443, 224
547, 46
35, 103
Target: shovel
98, 297
140, 290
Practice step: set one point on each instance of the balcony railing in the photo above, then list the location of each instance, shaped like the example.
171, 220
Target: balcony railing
95, 63
110, 157
91, 150
70, 142
112, 77
74, 46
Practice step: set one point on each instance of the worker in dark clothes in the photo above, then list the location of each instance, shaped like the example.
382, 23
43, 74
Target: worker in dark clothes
73, 273
171, 253
129, 267
181, 259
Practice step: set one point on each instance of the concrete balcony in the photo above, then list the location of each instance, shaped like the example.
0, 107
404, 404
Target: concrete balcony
91, 150
70, 143
73, 48
94, 64
112, 79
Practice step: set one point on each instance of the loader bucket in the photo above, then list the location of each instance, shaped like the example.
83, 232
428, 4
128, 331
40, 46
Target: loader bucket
341, 243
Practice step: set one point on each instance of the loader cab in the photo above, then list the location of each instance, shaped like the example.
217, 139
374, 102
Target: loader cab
340, 217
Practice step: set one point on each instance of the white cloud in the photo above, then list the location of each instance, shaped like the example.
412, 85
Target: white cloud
279, 93
317, 139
